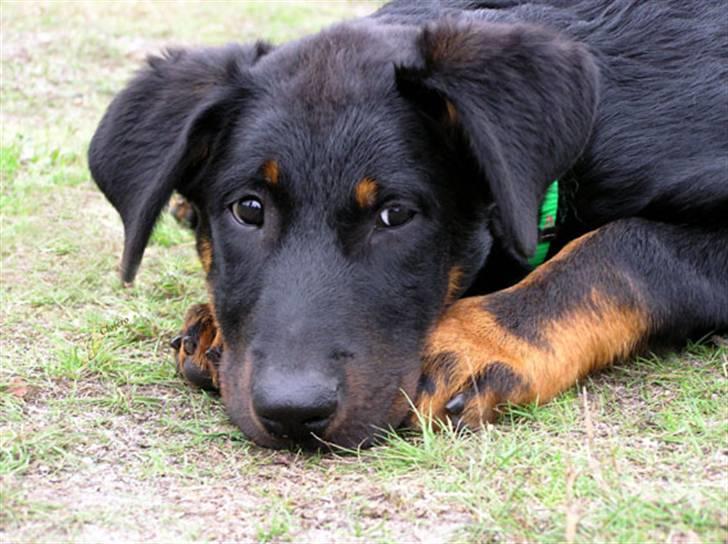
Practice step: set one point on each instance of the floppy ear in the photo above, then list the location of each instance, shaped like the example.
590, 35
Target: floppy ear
161, 130
523, 97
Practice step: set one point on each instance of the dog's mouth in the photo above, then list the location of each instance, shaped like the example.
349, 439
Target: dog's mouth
302, 418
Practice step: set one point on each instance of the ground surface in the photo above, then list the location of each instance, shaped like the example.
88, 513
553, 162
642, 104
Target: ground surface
101, 442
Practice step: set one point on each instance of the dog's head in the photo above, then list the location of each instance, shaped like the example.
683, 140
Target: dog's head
348, 186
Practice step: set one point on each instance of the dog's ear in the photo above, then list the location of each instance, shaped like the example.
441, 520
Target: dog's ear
161, 130
523, 98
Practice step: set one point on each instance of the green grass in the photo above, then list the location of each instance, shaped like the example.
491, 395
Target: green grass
100, 440
635, 478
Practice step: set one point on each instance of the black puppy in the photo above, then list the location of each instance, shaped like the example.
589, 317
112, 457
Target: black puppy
358, 192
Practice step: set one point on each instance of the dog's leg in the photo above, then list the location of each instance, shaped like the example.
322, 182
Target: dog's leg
605, 296
199, 348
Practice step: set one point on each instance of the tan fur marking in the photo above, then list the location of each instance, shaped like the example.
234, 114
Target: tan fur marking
540, 273
204, 249
181, 209
593, 335
271, 172
474, 337
246, 373
365, 192
454, 278
451, 115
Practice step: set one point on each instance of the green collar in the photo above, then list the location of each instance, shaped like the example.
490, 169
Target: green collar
546, 224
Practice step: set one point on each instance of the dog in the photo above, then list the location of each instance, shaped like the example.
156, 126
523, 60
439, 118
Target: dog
451, 205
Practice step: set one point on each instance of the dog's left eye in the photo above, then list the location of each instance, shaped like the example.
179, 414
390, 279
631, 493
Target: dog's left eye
394, 216
248, 211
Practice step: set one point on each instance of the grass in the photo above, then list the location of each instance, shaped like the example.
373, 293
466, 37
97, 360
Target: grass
100, 440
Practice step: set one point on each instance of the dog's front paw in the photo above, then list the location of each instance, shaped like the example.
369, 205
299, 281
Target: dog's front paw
198, 348
467, 393
183, 211
471, 367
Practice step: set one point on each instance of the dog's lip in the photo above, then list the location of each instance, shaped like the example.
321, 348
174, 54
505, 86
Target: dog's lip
344, 441
348, 441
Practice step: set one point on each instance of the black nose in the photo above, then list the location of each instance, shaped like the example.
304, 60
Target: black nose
295, 409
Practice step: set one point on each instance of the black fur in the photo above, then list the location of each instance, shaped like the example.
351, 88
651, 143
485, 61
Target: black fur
624, 101
499, 379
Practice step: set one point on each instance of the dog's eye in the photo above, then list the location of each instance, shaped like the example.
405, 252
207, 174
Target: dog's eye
248, 211
394, 216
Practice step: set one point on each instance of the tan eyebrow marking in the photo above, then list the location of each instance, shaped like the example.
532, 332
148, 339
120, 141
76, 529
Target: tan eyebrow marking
451, 114
270, 171
365, 192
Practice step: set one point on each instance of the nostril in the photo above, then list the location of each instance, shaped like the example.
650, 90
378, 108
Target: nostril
317, 425
284, 430
276, 428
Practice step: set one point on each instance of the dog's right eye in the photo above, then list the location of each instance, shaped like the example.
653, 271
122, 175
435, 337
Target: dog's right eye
394, 216
248, 211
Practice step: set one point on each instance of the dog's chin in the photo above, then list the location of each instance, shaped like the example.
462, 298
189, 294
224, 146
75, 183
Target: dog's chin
346, 436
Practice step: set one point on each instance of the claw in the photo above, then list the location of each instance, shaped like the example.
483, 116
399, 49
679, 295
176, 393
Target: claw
176, 342
456, 405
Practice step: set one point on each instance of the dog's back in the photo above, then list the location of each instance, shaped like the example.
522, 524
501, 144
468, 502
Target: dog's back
659, 148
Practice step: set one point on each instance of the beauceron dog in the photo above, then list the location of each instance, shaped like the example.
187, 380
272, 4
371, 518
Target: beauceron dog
373, 204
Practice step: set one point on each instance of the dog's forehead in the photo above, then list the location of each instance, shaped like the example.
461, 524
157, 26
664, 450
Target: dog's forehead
345, 63
328, 113
328, 155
